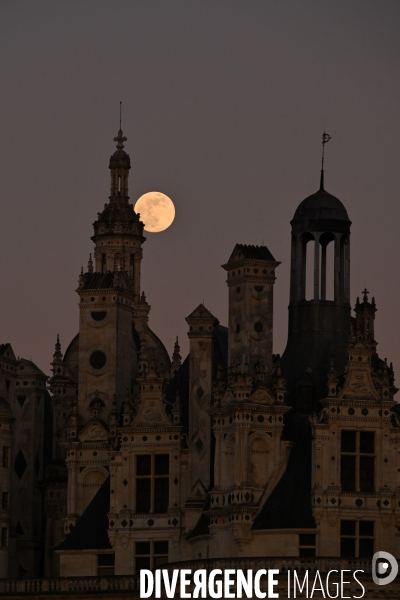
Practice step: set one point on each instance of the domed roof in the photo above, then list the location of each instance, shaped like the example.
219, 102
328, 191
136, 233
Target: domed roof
321, 206
4, 406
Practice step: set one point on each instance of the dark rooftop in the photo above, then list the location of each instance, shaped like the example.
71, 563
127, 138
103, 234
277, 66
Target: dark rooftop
289, 505
98, 281
255, 252
90, 531
321, 206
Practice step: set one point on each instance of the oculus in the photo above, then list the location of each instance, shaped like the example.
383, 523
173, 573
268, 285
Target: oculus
98, 359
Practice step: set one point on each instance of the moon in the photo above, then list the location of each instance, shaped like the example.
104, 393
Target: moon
157, 211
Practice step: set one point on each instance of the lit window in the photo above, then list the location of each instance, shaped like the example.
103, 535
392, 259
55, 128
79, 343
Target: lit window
356, 539
150, 555
152, 483
357, 461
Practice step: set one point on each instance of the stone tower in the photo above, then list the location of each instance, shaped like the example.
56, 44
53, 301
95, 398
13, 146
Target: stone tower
248, 411
319, 326
109, 299
108, 293
6, 420
251, 277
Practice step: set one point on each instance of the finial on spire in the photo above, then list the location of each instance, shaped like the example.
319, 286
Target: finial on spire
120, 139
365, 294
176, 357
57, 356
325, 140
90, 264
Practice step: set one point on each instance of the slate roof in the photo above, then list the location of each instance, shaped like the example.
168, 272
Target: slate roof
255, 252
32, 365
321, 205
90, 532
98, 281
289, 505
202, 527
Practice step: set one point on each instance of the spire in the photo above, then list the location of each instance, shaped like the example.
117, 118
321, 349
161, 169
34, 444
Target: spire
325, 140
90, 264
176, 357
365, 317
57, 356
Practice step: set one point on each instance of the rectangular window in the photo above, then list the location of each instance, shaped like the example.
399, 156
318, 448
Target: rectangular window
152, 483
307, 544
150, 555
357, 464
105, 565
356, 539
6, 457
5, 501
4, 536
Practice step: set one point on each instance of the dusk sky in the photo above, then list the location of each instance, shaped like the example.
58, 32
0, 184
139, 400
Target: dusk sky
224, 106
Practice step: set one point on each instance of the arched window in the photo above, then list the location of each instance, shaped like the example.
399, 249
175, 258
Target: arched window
103, 263
131, 263
117, 262
327, 241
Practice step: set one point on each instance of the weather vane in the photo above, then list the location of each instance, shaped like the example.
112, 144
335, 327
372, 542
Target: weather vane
325, 140
120, 113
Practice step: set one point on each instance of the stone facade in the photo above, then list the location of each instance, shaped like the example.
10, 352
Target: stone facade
24, 406
233, 454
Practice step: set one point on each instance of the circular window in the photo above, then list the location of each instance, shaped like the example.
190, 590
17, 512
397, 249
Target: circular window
258, 327
98, 359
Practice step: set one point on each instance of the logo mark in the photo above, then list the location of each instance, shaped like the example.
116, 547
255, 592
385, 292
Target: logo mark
384, 568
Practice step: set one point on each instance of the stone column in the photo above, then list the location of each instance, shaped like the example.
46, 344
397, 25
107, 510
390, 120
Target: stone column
316, 267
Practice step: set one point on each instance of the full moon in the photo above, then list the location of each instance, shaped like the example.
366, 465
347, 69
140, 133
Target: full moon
157, 211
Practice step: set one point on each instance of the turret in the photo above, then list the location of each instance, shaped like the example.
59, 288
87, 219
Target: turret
319, 310
118, 231
251, 276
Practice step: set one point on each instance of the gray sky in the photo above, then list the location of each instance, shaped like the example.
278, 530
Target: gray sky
224, 104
